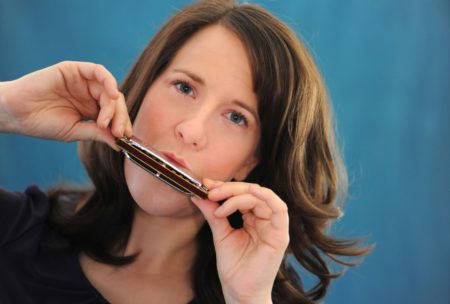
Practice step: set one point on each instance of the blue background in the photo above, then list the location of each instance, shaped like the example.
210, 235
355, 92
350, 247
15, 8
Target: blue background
386, 64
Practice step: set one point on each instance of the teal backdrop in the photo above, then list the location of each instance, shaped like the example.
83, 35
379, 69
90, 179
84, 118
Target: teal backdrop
386, 64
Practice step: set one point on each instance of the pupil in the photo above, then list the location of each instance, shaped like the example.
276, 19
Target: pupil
235, 117
185, 88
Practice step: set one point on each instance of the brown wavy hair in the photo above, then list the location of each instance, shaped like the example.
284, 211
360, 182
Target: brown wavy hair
299, 158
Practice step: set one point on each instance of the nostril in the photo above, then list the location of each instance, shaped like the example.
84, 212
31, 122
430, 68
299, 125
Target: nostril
190, 134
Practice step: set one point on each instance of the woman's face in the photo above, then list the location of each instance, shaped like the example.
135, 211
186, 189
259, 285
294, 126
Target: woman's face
201, 114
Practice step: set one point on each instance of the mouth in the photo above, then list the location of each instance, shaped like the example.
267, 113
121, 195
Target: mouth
167, 170
175, 160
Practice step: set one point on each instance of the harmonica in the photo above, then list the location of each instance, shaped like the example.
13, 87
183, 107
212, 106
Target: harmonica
151, 162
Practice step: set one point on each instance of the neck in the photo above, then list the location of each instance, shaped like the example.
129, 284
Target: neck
164, 244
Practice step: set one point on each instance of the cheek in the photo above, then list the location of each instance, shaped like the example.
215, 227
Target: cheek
226, 159
133, 178
148, 122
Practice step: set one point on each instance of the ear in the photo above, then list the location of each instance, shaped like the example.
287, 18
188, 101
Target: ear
248, 166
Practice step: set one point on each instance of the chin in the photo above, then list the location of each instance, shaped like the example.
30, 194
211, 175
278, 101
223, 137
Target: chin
154, 196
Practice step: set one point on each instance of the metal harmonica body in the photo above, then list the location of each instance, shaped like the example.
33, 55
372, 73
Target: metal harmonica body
160, 168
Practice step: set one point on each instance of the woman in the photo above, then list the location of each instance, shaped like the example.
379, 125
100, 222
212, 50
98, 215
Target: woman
228, 93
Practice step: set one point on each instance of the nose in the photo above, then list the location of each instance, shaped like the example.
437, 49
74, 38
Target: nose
191, 130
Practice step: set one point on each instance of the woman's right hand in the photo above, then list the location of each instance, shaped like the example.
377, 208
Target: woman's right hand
67, 101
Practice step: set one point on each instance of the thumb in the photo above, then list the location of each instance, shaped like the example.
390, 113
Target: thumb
220, 227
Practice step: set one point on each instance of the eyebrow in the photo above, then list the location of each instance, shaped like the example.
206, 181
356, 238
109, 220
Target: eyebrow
200, 80
196, 78
248, 108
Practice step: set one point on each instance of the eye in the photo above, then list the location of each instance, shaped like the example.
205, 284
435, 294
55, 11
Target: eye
184, 87
237, 118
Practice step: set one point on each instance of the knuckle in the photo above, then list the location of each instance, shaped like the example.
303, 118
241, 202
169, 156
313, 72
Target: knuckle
283, 207
65, 62
100, 66
65, 65
269, 191
254, 185
287, 240
121, 100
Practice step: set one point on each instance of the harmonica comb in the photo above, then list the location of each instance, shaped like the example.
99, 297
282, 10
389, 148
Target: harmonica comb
151, 162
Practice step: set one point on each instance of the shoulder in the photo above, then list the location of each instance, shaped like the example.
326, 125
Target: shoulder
21, 211
31, 194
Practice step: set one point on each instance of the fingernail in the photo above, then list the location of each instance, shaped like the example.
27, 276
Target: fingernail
129, 130
121, 129
106, 122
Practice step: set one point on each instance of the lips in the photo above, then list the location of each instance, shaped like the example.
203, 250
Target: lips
174, 160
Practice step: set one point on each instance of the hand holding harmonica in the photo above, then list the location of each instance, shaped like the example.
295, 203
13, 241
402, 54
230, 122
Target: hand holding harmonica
45, 104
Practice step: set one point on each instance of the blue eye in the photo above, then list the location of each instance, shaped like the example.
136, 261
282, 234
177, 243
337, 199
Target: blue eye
184, 88
237, 118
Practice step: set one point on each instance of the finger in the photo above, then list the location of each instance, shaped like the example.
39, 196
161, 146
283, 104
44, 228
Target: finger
211, 184
228, 189
128, 125
95, 89
220, 227
121, 124
99, 73
88, 130
280, 217
107, 108
249, 219
244, 203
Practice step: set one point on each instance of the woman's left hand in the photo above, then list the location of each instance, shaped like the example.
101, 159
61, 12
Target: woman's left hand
248, 259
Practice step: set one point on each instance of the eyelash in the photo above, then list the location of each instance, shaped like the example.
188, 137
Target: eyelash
241, 116
185, 83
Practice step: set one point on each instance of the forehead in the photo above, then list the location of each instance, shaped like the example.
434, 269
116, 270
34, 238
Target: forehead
215, 50
215, 38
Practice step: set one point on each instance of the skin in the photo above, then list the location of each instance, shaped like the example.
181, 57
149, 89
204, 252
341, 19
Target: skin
203, 110
199, 122
84, 93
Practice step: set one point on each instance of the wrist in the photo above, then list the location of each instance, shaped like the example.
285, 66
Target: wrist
254, 300
250, 299
5, 98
